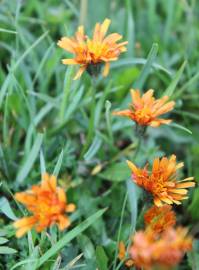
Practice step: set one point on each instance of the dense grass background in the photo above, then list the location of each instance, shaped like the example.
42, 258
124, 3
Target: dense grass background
46, 122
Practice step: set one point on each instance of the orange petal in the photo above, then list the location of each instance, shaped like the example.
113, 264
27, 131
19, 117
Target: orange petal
157, 202
69, 62
178, 191
61, 195
106, 69
122, 251
126, 113
185, 185
132, 167
70, 208
80, 72
63, 222
104, 27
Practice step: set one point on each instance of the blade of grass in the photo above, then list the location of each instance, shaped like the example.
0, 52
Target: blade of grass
138, 61
58, 165
147, 67
23, 172
67, 86
170, 89
8, 31
8, 78
180, 127
70, 236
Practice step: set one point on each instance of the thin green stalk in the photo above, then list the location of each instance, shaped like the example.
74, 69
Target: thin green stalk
120, 227
67, 86
122, 214
91, 126
83, 12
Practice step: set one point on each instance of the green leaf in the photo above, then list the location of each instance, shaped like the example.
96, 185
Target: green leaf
86, 246
70, 236
58, 165
147, 67
180, 127
6, 209
116, 173
102, 259
3, 240
133, 195
170, 89
93, 148
138, 61
30, 159
7, 250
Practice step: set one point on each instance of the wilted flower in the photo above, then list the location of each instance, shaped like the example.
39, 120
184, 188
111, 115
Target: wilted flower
162, 182
91, 53
149, 249
160, 218
48, 205
145, 110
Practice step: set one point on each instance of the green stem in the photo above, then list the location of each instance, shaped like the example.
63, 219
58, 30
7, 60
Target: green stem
67, 86
120, 227
91, 126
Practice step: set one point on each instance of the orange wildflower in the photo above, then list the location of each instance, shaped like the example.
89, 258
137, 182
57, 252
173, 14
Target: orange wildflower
48, 204
165, 250
162, 182
160, 218
145, 110
91, 53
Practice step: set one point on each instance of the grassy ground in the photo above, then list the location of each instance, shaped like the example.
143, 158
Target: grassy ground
45, 120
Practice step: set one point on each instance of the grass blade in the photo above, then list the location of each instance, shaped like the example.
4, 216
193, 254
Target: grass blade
69, 236
30, 159
58, 165
170, 89
147, 67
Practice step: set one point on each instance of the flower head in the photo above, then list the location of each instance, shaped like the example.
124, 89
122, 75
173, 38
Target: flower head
159, 250
48, 205
91, 53
160, 218
145, 109
162, 181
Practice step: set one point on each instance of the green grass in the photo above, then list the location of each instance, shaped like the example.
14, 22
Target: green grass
47, 120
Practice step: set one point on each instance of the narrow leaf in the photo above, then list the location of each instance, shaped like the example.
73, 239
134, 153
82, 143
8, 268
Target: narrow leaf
70, 236
30, 159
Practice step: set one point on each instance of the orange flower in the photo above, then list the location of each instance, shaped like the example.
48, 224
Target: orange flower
91, 53
48, 204
162, 181
159, 250
146, 109
160, 218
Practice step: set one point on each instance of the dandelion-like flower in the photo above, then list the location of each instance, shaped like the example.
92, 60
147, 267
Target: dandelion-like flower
162, 181
160, 218
145, 110
89, 54
166, 250
48, 205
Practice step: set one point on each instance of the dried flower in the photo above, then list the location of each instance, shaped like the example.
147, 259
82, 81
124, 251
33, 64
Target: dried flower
166, 250
145, 110
162, 182
48, 205
91, 53
160, 218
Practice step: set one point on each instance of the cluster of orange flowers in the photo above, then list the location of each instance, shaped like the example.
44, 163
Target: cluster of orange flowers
161, 243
